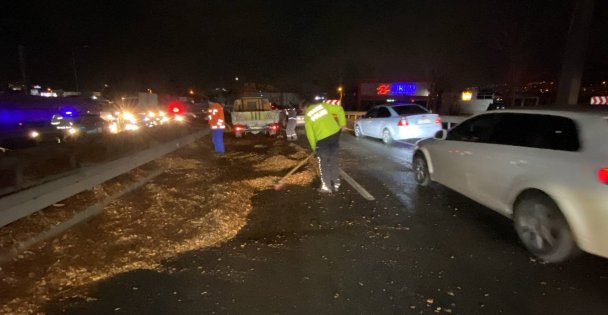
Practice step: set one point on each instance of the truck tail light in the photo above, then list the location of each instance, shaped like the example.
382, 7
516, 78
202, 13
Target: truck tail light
602, 175
403, 122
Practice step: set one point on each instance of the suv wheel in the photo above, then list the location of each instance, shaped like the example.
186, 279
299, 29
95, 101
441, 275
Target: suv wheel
421, 170
386, 137
358, 131
543, 229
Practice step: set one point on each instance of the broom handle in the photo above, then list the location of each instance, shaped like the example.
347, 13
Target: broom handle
296, 167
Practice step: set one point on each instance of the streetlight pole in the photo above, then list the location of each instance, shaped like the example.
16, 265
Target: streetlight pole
574, 56
22, 66
75, 70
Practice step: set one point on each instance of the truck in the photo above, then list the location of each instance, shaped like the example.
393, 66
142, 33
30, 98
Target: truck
476, 100
254, 115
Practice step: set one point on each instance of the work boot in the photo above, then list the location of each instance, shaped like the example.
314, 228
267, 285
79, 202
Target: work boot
324, 190
336, 185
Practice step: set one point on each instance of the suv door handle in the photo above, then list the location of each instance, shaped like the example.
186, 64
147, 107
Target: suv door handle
518, 162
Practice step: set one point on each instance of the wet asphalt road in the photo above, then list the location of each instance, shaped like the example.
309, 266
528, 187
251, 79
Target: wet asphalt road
410, 251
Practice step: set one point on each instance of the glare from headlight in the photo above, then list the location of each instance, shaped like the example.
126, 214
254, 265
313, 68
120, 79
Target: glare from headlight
34, 134
179, 118
72, 131
129, 117
113, 128
131, 127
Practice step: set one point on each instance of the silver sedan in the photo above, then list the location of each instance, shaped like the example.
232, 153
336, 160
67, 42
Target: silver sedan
398, 122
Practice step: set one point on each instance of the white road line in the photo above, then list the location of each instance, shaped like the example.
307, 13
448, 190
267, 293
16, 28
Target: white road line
364, 193
406, 143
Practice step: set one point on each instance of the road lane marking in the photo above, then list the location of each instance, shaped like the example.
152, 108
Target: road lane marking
404, 142
364, 193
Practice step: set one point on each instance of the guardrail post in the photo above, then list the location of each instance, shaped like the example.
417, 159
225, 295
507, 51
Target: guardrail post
73, 161
18, 174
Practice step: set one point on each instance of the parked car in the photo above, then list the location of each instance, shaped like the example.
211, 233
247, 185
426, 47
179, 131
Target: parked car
545, 169
398, 122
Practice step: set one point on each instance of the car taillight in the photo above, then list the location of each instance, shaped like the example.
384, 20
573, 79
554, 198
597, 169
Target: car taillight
602, 175
438, 121
403, 122
274, 126
239, 128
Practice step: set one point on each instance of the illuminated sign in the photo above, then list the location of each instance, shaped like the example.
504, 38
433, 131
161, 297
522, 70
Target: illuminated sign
467, 95
383, 89
396, 89
403, 88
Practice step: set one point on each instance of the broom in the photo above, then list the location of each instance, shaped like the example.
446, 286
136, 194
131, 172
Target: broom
279, 184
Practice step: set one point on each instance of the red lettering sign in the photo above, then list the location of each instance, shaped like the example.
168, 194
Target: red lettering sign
383, 89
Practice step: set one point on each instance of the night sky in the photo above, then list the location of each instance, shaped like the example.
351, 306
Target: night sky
174, 45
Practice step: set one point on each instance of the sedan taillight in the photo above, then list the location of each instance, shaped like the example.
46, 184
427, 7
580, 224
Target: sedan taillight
403, 122
438, 120
602, 175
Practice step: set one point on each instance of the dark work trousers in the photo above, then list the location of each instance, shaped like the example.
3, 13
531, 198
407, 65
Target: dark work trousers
217, 137
327, 155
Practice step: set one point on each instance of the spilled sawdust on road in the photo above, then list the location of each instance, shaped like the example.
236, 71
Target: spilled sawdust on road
200, 202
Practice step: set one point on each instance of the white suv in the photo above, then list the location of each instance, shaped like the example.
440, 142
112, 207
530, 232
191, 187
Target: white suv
545, 169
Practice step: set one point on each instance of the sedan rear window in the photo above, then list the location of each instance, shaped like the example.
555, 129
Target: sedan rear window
406, 110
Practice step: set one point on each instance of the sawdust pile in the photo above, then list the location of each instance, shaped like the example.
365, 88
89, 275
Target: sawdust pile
276, 163
193, 206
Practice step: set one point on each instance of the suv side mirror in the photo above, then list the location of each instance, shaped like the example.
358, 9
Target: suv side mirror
441, 134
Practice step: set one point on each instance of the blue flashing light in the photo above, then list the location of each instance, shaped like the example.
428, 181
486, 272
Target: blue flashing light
403, 89
68, 111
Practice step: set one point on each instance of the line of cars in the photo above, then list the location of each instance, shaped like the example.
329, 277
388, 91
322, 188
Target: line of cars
73, 124
547, 170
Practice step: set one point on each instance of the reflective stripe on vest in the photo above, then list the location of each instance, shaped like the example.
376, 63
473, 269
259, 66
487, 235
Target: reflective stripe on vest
317, 112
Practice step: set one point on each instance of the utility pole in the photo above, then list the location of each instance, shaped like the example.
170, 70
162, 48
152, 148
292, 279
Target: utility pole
74, 68
22, 66
574, 56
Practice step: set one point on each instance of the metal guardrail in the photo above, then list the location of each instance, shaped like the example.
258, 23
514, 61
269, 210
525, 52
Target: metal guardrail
453, 120
353, 115
6, 254
23, 203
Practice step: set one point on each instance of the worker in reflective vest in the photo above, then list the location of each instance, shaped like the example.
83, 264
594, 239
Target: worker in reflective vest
217, 124
323, 123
